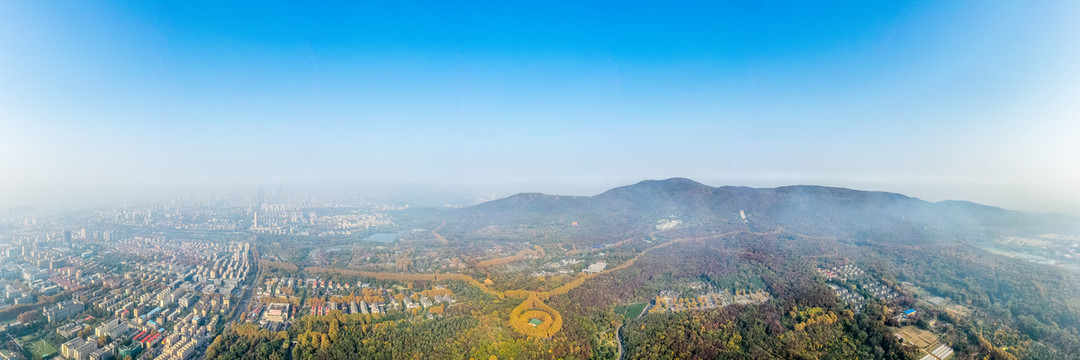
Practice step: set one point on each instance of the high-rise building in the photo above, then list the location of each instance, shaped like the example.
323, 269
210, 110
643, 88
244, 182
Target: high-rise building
67, 235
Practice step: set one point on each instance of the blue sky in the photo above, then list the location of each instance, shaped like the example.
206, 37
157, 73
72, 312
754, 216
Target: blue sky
940, 100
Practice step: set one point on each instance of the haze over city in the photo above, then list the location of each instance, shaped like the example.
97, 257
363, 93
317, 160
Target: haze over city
111, 101
611, 180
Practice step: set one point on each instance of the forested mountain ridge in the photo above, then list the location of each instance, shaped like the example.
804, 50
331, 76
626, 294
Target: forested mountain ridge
672, 269
806, 209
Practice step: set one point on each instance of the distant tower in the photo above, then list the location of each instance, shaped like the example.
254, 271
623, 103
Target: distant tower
255, 224
67, 236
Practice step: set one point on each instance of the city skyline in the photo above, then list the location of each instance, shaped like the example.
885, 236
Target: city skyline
967, 100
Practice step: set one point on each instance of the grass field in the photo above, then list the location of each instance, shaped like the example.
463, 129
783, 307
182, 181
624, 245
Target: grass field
41, 348
630, 311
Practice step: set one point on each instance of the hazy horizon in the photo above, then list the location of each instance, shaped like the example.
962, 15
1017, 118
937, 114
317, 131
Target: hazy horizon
429, 195
121, 101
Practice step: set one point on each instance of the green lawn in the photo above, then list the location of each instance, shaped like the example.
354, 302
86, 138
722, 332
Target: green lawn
630, 311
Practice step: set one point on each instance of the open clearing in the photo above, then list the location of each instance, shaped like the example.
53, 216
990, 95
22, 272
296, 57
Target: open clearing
41, 348
630, 311
918, 337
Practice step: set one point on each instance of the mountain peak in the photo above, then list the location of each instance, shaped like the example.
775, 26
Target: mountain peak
675, 184
672, 181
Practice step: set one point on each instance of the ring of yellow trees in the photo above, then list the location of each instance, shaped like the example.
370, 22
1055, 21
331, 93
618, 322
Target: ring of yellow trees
533, 308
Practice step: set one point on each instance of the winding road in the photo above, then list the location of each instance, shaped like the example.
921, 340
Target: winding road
521, 293
618, 330
618, 338
518, 293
